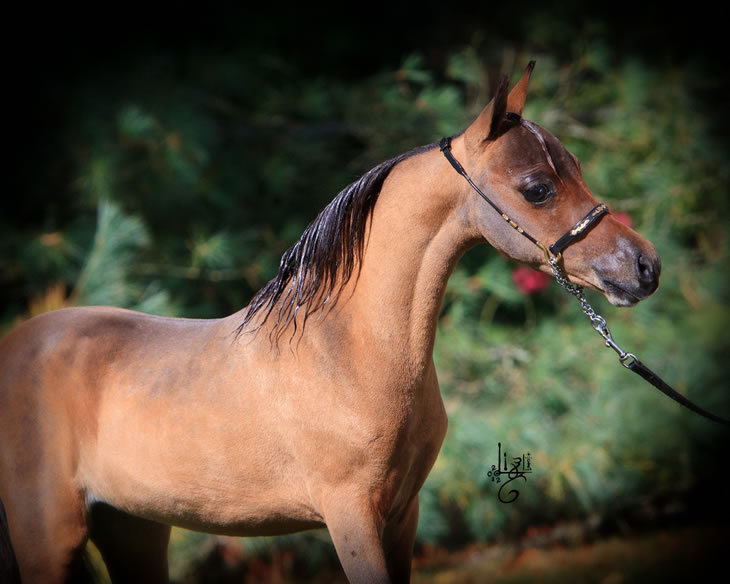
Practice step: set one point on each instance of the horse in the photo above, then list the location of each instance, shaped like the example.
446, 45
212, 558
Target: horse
318, 404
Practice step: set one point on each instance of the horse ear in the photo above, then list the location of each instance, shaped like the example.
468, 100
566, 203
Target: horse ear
485, 127
516, 98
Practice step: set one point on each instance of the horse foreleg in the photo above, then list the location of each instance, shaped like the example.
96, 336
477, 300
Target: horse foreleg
9, 571
134, 550
48, 529
355, 532
399, 537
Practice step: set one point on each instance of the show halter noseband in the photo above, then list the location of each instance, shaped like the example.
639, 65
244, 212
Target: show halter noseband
553, 256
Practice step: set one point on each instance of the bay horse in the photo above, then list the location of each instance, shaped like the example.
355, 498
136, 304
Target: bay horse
317, 405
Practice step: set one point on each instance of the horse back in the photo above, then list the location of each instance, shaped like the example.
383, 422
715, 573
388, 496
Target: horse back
54, 370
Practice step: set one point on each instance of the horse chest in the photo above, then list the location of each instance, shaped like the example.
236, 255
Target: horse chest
398, 457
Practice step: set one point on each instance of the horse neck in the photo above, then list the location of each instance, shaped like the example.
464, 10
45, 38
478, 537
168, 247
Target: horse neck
418, 232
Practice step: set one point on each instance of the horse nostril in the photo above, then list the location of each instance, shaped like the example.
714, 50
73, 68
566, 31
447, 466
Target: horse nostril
648, 269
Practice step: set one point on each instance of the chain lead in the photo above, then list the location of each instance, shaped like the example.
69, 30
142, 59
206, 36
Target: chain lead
597, 321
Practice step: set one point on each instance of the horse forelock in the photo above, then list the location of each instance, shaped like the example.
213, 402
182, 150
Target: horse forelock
315, 269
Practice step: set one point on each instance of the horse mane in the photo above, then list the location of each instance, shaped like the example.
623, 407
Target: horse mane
314, 270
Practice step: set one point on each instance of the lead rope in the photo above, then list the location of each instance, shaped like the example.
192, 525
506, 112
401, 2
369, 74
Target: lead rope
553, 255
628, 360
597, 321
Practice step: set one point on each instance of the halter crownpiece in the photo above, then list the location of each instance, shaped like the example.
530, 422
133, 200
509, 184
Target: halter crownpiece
553, 255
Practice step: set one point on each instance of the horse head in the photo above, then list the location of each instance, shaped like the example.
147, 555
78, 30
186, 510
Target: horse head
539, 184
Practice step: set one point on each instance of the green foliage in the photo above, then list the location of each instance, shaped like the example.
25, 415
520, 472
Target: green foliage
104, 278
186, 192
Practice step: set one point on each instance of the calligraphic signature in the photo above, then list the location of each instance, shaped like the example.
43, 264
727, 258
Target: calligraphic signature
505, 474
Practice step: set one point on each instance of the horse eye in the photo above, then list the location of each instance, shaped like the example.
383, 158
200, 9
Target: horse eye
538, 193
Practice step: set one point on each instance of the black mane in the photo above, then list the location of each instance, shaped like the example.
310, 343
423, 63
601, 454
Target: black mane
313, 271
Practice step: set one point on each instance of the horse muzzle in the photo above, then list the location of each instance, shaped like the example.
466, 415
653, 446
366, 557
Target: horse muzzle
630, 275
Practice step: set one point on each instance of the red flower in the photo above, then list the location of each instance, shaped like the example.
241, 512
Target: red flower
529, 281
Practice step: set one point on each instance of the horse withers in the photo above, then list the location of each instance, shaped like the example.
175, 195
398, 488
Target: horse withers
317, 405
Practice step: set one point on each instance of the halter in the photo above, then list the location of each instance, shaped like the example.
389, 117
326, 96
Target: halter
555, 251
553, 256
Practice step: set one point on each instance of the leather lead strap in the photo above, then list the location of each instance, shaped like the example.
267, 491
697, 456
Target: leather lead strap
640, 369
